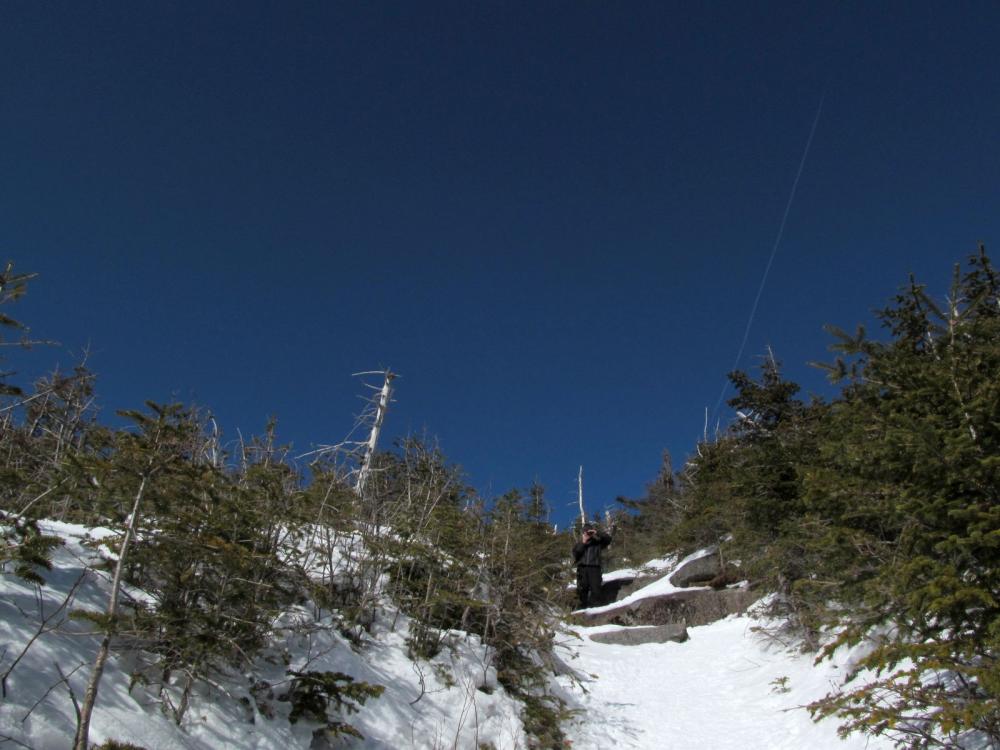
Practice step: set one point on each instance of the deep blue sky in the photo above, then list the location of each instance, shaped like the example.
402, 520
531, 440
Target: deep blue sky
551, 217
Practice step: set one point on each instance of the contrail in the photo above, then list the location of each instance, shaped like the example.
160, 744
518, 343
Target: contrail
774, 249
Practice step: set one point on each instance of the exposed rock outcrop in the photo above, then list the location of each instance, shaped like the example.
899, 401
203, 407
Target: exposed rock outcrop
618, 588
697, 572
705, 596
636, 636
690, 607
634, 584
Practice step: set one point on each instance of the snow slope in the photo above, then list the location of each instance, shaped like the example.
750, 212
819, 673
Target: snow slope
451, 701
728, 686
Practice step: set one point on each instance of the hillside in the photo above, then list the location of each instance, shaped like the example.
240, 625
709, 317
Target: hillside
451, 700
727, 686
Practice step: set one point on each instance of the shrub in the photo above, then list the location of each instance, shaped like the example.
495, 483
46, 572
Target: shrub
311, 694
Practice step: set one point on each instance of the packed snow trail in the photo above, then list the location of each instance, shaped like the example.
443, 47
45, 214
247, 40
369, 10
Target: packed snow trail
726, 688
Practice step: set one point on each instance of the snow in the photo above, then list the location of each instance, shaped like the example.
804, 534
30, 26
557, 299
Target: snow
649, 569
450, 701
726, 687
658, 587
729, 686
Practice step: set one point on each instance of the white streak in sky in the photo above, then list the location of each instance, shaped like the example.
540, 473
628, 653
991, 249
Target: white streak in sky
774, 250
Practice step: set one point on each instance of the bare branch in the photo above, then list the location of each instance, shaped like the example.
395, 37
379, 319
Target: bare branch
63, 679
43, 626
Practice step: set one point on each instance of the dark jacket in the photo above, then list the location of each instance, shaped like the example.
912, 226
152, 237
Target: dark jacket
589, 554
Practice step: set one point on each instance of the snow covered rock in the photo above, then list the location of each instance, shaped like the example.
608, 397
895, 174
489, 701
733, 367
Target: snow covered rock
688, 606
628, 586
697, 571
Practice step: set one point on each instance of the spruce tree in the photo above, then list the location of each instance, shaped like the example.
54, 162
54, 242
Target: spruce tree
926, 405
25, 477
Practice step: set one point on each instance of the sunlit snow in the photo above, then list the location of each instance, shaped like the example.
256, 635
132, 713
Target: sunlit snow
728, 686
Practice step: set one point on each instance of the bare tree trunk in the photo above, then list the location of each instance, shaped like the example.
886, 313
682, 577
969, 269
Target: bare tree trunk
90, 696
383, 405
583, 516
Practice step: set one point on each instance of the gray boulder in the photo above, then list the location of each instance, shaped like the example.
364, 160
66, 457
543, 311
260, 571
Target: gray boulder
698, 571
634, 584
636, 636
690, 607
614, 589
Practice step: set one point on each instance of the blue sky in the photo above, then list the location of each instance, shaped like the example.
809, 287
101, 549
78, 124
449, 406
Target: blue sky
551, 218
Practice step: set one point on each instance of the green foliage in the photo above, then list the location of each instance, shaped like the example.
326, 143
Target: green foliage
12, 287
454, 563
876, 512
33, 448
931, 399
223, 542
780, 685
209, 549
27, 548
526, 578
101, 620
745, 493
117, 745
644, 528
314, 694
43, 436
544, 716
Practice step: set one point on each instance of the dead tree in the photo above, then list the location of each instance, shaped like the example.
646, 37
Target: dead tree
355, 456
354, 462
380, 406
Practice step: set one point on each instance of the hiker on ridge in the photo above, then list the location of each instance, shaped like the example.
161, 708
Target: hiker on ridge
587, 556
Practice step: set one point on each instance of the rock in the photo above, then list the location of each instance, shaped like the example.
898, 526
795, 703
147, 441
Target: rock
618, 588
697, 571
727, 577
610, 591
634, 584
691, 607
635, 636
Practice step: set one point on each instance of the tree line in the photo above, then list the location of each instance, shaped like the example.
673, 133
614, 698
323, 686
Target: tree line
870, 516
222, 537
873, 515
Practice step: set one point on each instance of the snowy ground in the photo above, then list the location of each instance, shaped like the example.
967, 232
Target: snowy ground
726, 687
451, 701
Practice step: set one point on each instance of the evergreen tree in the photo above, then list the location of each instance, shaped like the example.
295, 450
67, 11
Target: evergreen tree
12, 287
22, 483
743, 492
930, 402
208, 548
647, 526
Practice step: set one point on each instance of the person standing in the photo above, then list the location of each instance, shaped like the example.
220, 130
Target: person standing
587, 556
